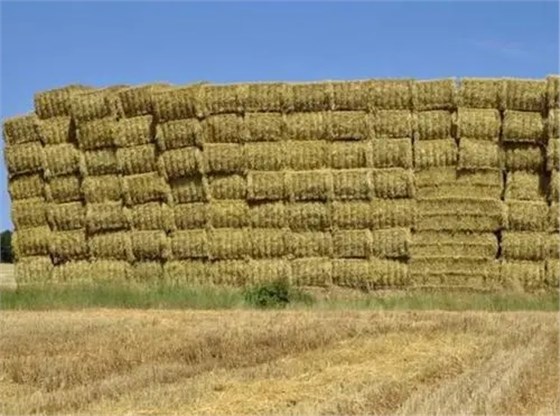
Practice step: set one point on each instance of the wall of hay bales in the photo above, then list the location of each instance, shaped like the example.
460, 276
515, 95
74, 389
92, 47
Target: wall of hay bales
369, 184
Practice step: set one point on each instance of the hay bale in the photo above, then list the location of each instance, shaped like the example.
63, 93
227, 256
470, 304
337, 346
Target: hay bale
65, 189
308, 216
376, 214
184, 272
175, 103
136, 159
152, 216
348, 125
20, 130
481, 124
228, 214
308, 97
265, 243
310, 185
552, 246
310, 244
393, 123
228, 244
434, 125
26, 186
394, 94
525, 94
56, 102
481, 93
137, 101
352, 184
552, 273
554, 187
102, 188
177, 134
97, 134
355, 155
437, 94
265, 97
31, 242
527, 275
268, 215
35, 269
553, 91
149, 245
72, 271
430, 244
553, 217
135, 131
191, 215
227, 186
527, 215
24, 158
61, 159
178, 163
218, 99
393, 183
267, 270
523, 245
68, 245
435, 153
352, 243
223, 158
56, 130
300, 126
553, 123
107, 216
523, 126
65, 217
110, 270
99, 162
266, 156
266, 186
369, 274
524, 156
553, 155
29, 213
189, 189
478, 155
391, 153
234, 273
350, 95
449, 182
265, 127
525, 186
307, 155
111, 246
311, 271
392, 243
146, 187
454, 271
147, 271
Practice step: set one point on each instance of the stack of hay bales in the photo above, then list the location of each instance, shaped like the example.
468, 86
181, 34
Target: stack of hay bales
459, 185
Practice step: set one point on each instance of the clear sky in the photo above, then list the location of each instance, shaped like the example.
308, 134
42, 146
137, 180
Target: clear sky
47, 45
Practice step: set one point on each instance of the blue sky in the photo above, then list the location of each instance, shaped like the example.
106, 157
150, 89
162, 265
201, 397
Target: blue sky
48, 45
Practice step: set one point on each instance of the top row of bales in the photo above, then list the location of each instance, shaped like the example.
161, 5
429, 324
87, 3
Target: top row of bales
167, 102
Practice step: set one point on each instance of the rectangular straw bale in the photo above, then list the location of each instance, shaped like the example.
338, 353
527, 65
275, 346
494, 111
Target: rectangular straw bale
525, 186
302, 126
228, 214
553, 155
68, 245
349, 125
463, 222
266, 186
177, 134
227, 186
387, 213
352, 243
435, 153
350, 95
481, 93
147, 271
310, 244
61, 159
354, 155
352, 214
481, 124
308, 216
137, 101
223, 158
527, 215
553, 123
455, 272
265, 97
352, 184
68, 216
525, 94
265, 270
66, 189
312, 97
228, 244
523, 126
264, 127
152, 216
111, 246
102, 188
229, 273
434, 125
178, 163
137, 159
191, 215
369, 274
268, 215
103, 270
524, 156
267, 242
100, 162
190, 244
56, 130
553, 91
146, 187
458, 206
448, 182
393, 183
33, 269
393, 123
552, 273
524, 245
311, 271
175, 103
307, 155
552, 245
436, 94
149, 245
394, 94
24, 158
523, 274
96, 104
31, 242
21, 129
107, 216
393, 243
554, 186
72, 271
29, 213
309, 185
553, 217
56, 102
189, 189
218, 99
180, 272
478, 155
135, 131
266, 156
26, 186
97, 134
430, 244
